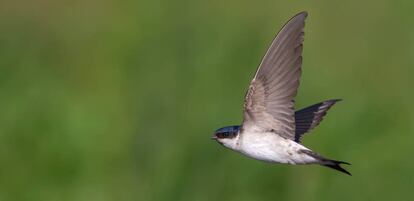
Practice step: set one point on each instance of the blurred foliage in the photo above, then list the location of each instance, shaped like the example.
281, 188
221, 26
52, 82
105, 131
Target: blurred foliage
117, 100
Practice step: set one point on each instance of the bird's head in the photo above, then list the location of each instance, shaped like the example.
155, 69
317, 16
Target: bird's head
227, 136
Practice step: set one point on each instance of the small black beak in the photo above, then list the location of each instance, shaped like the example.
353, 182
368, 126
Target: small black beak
214, 137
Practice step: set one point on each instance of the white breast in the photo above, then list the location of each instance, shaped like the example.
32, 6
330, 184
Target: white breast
271, 147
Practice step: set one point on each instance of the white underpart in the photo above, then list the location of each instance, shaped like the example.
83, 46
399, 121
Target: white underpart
271, 147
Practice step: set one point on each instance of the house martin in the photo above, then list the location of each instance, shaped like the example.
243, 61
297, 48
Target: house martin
271, 130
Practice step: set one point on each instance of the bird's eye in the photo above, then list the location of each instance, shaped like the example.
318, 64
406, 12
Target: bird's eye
224, 135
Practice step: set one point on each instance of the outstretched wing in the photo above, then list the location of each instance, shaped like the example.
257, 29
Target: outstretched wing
308, 118
269, 102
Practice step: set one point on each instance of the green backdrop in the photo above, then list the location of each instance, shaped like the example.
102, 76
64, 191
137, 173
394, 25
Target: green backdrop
117, 100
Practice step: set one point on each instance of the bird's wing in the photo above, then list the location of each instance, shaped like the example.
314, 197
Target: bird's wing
308, 118
269, 101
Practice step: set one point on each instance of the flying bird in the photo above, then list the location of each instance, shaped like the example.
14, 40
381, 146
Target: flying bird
272, 130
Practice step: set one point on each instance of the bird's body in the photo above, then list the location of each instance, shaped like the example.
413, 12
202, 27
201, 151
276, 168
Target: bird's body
272, 148
271, 129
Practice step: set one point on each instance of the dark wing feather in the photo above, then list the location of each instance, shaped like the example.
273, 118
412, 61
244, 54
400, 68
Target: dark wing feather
269, 101
308, 118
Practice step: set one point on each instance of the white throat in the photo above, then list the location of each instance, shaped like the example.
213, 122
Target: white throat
231, 143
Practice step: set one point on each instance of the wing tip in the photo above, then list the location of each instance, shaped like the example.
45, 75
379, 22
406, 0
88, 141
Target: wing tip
302, 15
332, 101
336, 99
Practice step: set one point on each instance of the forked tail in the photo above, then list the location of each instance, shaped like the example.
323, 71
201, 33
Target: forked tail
328, 162
335, 165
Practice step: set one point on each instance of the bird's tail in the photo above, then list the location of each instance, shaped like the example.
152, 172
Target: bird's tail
335, 165
328, 162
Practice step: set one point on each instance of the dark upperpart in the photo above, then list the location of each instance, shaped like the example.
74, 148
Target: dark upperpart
226, 132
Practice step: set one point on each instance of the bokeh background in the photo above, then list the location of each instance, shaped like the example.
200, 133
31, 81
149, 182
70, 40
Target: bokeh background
117, 100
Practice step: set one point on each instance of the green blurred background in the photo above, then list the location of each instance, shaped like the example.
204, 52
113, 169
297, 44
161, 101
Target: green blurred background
117, 100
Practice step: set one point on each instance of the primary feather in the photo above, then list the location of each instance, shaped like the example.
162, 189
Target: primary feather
308, 118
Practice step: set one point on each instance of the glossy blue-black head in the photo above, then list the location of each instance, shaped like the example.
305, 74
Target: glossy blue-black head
226, 132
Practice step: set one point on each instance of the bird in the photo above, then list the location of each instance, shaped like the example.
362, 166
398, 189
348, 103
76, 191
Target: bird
271, 130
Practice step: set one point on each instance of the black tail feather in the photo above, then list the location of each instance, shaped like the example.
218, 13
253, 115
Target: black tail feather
336, 165
328, 162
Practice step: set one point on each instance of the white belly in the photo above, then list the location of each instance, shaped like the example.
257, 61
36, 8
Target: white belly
271, 147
